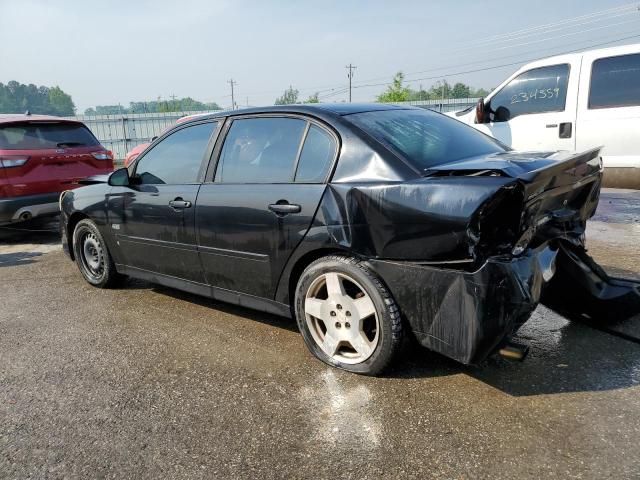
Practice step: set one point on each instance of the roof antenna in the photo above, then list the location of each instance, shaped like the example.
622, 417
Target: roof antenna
27, 112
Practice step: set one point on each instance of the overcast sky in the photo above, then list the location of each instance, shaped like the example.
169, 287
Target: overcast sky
110, 52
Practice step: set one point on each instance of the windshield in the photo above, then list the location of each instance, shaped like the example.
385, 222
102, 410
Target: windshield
40, 135
425, 139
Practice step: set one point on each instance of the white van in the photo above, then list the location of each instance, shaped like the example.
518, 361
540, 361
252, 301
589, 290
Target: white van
571, 102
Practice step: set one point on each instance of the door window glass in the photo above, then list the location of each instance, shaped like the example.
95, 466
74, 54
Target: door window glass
317, 154
260, 150
538, 90
177, 158
615, 82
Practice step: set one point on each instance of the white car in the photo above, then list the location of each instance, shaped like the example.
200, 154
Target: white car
571, 102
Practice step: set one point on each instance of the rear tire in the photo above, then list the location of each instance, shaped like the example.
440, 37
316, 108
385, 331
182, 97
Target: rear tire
346, 315
93, 257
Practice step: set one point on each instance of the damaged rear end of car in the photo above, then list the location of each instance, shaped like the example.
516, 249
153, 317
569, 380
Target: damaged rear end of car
472, 248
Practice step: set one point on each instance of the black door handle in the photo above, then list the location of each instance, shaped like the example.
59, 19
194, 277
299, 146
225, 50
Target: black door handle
565, 130
178, 203
285, 208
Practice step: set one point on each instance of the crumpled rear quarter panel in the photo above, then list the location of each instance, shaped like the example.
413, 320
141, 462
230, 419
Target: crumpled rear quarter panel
424, 219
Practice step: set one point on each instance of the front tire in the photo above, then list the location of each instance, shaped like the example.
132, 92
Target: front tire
92, 256
347, 317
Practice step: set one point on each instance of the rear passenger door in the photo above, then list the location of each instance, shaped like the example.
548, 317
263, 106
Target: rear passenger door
609, 106
270, 175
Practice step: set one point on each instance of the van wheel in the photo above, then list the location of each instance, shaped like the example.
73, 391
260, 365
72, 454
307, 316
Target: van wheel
92, 256
347, 317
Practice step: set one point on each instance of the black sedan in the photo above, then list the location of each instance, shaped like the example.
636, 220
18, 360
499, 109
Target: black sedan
366, 223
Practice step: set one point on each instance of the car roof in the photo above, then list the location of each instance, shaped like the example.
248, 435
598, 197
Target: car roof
22, 117
339, 109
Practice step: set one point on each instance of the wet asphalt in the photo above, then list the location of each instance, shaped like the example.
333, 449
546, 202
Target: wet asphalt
149, 382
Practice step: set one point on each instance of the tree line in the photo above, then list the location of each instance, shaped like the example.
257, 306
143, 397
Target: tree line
397, 91
186, 104
16, 97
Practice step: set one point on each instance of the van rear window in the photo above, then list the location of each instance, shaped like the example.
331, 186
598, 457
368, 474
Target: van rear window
615, 82
41, 135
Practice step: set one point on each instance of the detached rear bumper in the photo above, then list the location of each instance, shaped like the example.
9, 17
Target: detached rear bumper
466, 315
17, 209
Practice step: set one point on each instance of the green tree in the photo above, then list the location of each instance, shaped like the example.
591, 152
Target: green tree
16, 97
441, 89
313, 98
460, 90
481, 92
289, 96
61, 103
420, 94
396, 92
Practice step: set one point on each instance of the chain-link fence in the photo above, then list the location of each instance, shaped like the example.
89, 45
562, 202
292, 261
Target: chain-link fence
444, 104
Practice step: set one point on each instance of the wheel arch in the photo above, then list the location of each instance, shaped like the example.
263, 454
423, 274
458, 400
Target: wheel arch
74, 218
287, 291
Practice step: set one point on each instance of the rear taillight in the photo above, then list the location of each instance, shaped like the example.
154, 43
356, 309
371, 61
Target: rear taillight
103, 155
8, 161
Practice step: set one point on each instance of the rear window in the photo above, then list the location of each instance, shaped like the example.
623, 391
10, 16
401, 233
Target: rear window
37, 136
615, 82
425, 139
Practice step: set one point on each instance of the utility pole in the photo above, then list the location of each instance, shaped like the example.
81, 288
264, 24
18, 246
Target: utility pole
350, 75
232, 82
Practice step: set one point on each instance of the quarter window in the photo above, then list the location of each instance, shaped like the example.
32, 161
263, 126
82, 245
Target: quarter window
317, 154
615, 82
176, 159
260, 150
538, 90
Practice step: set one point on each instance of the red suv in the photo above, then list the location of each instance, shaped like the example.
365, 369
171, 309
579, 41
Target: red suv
40, 156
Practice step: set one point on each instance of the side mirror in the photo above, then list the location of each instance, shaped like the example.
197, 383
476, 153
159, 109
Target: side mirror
119, 178
480, 111
502, 114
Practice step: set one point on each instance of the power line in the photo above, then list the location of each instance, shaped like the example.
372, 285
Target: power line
630, 6
486, 41
350, 75
497, 66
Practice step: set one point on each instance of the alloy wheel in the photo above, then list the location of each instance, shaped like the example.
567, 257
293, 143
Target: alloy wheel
342, 318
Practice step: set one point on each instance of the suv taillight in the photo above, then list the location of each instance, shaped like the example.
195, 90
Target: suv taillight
8, 161
103, 155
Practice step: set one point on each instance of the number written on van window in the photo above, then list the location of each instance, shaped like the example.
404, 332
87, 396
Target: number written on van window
540, 94
539, 90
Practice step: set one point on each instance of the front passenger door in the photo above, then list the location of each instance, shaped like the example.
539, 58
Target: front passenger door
154, 218
536, 109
